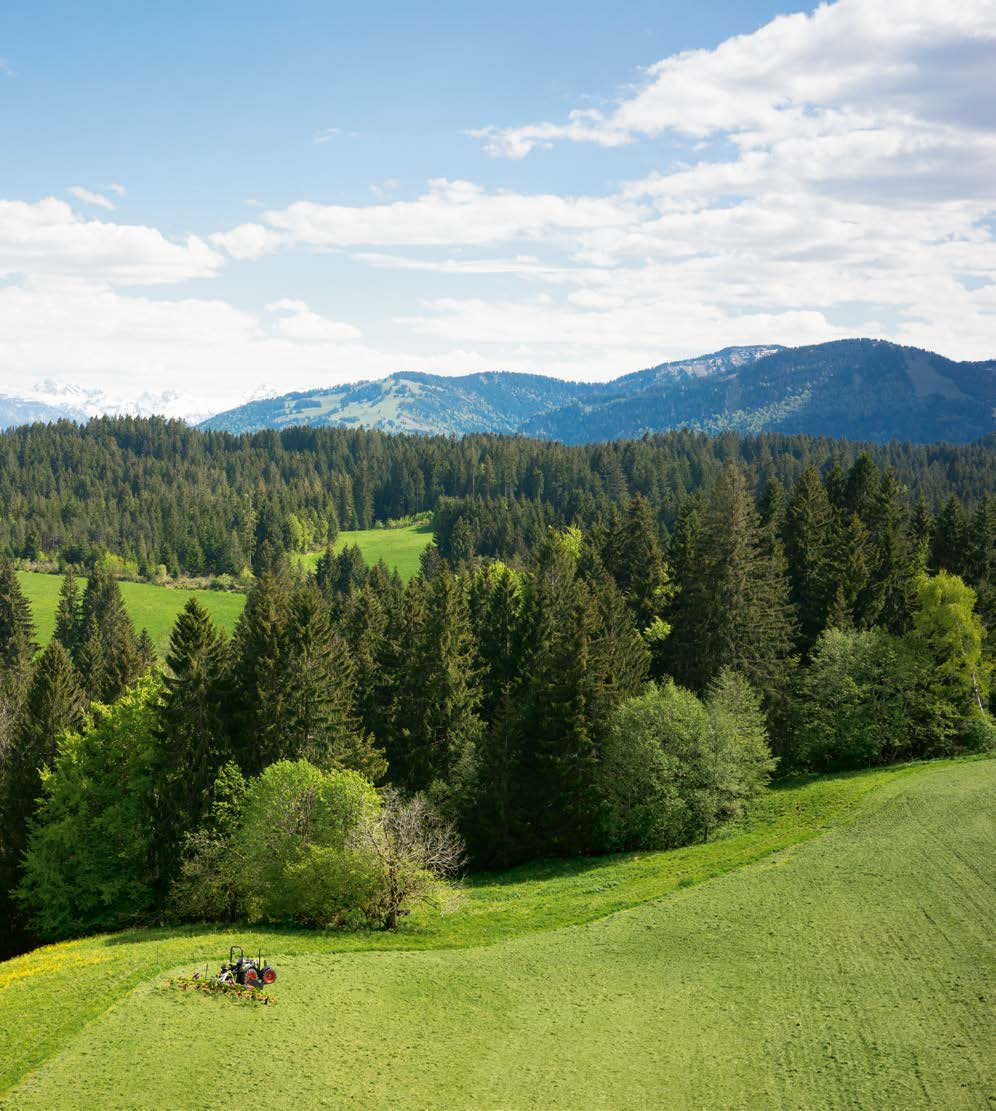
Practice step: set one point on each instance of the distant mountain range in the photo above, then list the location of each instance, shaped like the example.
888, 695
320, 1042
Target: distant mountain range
857, 389
51, 401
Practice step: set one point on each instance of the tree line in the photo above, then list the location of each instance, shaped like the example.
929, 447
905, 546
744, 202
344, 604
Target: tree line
614, 687
153, 497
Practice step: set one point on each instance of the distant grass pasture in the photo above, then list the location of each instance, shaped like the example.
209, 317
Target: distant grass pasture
156, 607
839, 954
397, 547
150, 607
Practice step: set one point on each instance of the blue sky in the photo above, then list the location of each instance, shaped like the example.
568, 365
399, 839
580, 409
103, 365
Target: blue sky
222, 199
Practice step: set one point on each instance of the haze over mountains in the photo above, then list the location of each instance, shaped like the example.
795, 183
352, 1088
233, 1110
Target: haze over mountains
858, 389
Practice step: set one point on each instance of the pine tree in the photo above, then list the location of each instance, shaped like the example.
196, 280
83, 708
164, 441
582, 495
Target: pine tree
891, 593
438, 694
68, 618
633, 556
53, 704
949, 538
17, 630
108, 655
319, 721
259, 651
809, 536
732, 608
192, 733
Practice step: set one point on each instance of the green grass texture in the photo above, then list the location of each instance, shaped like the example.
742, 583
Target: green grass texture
150, 607
155, 607
398, 547
834, 951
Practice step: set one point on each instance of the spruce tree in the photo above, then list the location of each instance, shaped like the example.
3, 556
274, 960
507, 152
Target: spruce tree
68, 617
193, 742
319, 722
259, 653
732, 608
108, 655
435, 713
949, 538
891, 593
54, 703
17, 630
809, 536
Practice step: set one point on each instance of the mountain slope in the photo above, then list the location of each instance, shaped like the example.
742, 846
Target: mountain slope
857, 389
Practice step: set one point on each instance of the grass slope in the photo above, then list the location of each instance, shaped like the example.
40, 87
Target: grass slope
848, 969
151, 607
397, 547
156, 607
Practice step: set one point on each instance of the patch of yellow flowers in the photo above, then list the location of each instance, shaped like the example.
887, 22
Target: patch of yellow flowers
50, 959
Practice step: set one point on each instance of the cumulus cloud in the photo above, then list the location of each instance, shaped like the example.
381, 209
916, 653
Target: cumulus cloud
298, 322
88, 196
925, 63
49, 238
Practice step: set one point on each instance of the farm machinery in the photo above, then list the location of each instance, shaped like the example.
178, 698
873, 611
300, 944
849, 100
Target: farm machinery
246, 971
244, 977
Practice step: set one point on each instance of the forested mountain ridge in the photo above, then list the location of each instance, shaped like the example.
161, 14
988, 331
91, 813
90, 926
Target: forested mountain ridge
858, 389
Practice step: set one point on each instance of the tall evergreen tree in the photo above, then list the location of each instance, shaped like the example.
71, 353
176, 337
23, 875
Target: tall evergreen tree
809, 537
436, 717
53, 704
733, 608
320, 722
108, 655
193, 741
68, 616
17, 630
949, 538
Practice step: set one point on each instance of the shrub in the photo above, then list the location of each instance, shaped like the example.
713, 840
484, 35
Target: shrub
673, 769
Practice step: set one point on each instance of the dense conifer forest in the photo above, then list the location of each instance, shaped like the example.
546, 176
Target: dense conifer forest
609, 648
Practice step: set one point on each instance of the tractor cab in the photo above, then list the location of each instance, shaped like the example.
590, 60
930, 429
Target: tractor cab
250, 972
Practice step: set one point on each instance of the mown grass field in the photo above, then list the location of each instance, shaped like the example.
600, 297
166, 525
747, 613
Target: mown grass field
397, 547
834, 952
151, 607
156, 607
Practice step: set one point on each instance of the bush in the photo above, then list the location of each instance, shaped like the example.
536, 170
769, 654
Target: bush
866, 699
315, 848
674, 769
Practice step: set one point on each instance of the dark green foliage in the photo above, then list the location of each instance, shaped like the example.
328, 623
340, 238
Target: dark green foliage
732, 608
949, 538
809, 535
68, 614
17, 630
435, 718
108, 655
193, 739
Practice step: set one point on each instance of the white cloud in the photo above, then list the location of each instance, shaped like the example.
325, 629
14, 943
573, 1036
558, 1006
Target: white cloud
330, 133
88, 196
449, 213
49, 238
298, 322
927, 62
118, 189
5, 68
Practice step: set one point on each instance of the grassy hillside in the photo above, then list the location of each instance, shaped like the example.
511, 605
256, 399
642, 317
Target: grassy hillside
840, 954
397, 547
155, 607
151, 607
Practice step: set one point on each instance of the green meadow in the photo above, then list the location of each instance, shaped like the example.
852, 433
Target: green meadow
151, 607
833, 951
399, 548
155, 607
